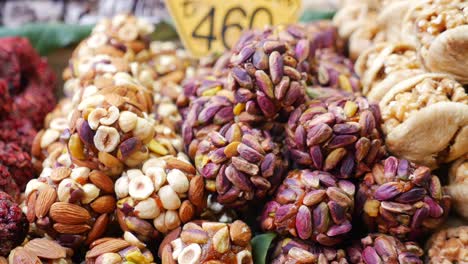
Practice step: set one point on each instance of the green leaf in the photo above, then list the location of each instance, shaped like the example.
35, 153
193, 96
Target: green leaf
312, 15
48, 37
260, 245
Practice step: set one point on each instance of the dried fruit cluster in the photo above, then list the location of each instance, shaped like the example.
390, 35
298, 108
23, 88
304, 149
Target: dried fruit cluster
13, 224
26, 95
448, 245
202, 242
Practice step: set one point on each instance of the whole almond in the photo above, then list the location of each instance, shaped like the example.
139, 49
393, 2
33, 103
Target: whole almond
104, 204
102, 181
23, 256
109, 246
44, 201
166, 255
98, 229
174, 163
71, 229
31, 204
36, 150
197, 191
45, 248
67, 213
3, 260
60, 173
186, 211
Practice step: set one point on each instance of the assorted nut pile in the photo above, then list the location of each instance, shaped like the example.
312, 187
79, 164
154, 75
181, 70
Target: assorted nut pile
154, 157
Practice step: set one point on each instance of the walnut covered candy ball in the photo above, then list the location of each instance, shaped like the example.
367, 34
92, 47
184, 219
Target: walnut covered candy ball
311, 205
208, 242
295, 251
341, 136
412, 112
380, 248
240, 164
457, 186
119, 250
13, 224
448, 246
160, 197
402, 199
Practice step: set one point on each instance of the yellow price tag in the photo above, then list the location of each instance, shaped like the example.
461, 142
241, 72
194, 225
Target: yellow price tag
215, 25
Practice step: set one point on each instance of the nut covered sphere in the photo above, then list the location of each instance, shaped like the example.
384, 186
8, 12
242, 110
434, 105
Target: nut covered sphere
205, 242
13, 224
340, 135
311, 205
240, 164
381, 248
18, 162
295, 251
401, 199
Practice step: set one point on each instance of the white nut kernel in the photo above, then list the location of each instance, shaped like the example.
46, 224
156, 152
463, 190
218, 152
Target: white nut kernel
140, 187
65, 188
190, 254
133, 173
153, 162
121, 187
133, 240
106, 138
95, 116
49, 136
127, 121
147, 209
91, 192
91, 101
97, 40
34, 185
159, 223
143, 130
80, 174
65, 160
169, 198
178, 181
172, 220
177, 246
59, 123
109, 258
158, 175
112, 115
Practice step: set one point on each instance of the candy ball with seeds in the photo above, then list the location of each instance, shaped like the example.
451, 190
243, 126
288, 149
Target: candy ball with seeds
13, 224
338, 135
381, 248
240, 164
448, 245
71, 205
160, 197
119, 250
295, 251
206, 242
401, 199
311, 205
206, 114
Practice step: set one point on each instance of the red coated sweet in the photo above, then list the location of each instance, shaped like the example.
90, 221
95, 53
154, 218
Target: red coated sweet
18, 130
7, 184
18, 162
13, 224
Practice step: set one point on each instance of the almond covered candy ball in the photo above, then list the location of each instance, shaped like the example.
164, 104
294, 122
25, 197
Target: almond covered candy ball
206, 242
401, 199
311, 205
160, 197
